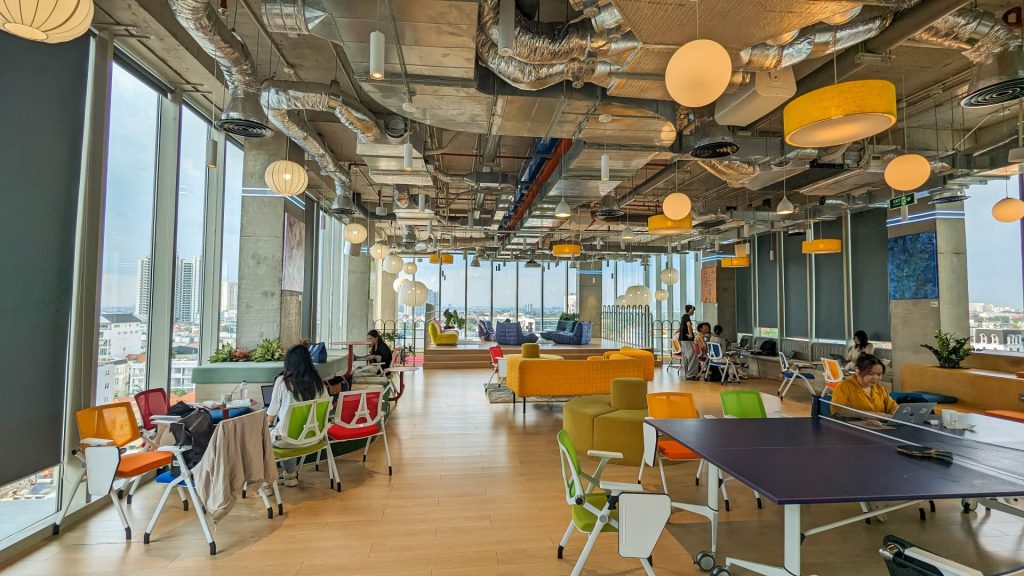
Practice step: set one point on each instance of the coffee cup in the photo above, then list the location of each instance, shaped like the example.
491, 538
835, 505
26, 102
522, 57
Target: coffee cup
950, 418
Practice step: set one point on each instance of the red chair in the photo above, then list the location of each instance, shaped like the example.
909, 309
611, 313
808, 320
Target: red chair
360, 416
152, 403
496, 353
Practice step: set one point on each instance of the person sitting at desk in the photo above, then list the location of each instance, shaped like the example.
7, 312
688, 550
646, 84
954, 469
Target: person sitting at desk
859, 347
863, 391
298, 382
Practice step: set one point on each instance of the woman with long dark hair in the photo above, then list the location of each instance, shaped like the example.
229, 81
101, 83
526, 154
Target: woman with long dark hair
860, 347
380, 352
298, 382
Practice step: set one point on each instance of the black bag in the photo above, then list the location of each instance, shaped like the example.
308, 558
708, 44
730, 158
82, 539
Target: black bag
195, 430
339, 384
181, 409
319, 353
768, 348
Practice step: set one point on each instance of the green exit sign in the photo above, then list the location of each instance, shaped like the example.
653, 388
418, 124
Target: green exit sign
902, 200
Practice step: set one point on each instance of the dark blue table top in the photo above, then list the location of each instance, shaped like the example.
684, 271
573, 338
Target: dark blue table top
805, 461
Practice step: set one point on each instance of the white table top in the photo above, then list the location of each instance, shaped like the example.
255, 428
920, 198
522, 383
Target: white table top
403, 369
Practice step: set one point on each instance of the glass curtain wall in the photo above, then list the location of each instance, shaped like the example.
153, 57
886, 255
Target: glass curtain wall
530, 297
572, 304
608, 273
556, 275
504, 300
478, 296
187, 296
330, 310
127, 237
453, 288
233, 163
994, 288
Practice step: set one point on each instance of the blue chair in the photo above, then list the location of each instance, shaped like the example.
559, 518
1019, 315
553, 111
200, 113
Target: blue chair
793, 371
579, 336
485, 330
511, 334
560, 326
718, 359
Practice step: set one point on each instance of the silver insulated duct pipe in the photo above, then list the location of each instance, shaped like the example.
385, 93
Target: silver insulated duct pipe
978, 34
527, 76
280, 104
242, 115
812, 42
322, 98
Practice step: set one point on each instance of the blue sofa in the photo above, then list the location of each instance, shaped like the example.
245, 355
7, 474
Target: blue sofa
485, 330
511, 334
579, 336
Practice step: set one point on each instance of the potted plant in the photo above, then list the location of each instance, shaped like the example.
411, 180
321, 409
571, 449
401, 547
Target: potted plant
950, 350
569, 316
453, 320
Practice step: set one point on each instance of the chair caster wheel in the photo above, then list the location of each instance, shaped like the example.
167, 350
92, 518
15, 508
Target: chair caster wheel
364, 457
332, 483
128, 533
243, 494
184, 505
720, 571
337, 487
270, 513
560, 550
727, 509
696, 481
650, 560
968, 505
803, 537
389, 470
931, 505
705, 561
128, 499
213, 548
145, 538
760, 504
921, 514
120, 493
280, 509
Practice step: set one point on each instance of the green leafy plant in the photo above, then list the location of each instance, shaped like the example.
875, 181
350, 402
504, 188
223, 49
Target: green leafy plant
388, 337
223, 354
267, 351
405, 352
569, 316
453, 320
950, 349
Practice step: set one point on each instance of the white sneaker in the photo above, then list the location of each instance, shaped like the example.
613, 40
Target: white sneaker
291, 479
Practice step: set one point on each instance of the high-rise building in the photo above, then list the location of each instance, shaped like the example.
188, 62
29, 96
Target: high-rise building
188, 286
228, 296
145, 287
120, 335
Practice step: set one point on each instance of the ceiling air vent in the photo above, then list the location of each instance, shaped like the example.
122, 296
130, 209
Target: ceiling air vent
244, 117
949, 197
609, 209
996, 82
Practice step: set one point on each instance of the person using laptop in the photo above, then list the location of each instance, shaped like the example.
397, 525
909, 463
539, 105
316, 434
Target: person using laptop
863, 391
860, 346
298, 382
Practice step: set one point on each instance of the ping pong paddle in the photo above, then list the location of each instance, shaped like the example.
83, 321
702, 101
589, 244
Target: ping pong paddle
925, 452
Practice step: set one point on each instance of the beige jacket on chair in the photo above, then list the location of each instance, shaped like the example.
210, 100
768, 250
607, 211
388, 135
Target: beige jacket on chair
240, 452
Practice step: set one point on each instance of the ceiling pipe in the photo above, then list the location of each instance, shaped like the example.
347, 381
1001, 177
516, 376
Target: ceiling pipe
656, 179
545, 173
907, 24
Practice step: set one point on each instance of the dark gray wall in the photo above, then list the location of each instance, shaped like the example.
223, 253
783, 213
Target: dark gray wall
767, 282
744, 301
794, 293
42, 111
870, 269
828, 286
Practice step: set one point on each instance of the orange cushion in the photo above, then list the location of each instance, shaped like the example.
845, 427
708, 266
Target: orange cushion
1006, 414
672, 450
138, 463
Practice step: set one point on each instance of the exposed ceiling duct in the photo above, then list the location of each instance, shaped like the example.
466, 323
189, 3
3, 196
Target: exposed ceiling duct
978, 34
739, 174
609, 209
242, 115
813, 42
322, 98
282, 101
535, 76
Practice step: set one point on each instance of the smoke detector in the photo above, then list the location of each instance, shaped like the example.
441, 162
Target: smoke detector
998, 81
609, 209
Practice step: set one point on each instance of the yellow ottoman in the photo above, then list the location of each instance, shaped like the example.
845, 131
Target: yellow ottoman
612, 423
530, 350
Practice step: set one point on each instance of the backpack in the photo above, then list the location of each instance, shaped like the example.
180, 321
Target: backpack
195, 430
768, 348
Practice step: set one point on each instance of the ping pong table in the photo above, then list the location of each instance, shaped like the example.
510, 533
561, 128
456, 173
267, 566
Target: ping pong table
818, 460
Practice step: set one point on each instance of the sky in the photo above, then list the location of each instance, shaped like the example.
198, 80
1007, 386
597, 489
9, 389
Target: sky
993, 248
131, 175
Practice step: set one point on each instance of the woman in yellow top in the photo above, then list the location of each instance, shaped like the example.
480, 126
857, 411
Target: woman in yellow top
863, 390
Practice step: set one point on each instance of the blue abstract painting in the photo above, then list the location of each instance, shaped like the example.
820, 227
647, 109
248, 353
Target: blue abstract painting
913, 267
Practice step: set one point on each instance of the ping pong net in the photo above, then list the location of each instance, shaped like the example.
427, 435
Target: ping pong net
986, 444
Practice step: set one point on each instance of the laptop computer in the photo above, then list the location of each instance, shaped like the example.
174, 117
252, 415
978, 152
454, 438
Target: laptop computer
838, 358
268, 392
913, 413
744, 343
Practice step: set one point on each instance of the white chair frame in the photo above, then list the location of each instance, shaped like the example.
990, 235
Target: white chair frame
360, 419
716, 357
794, 368
313, 432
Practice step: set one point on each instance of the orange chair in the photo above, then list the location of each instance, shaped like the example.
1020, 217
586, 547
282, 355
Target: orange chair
496, 352
667, 405
833, 374
105, 431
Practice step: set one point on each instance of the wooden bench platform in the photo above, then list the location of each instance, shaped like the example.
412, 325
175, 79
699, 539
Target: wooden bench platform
976, 389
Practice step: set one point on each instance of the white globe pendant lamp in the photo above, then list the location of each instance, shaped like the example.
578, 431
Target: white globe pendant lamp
397, 284
661, 294
620, 301
907, 172
698, 73
286, 178
676, 206
1008, 210
379, 251
410, 268
393, 264
50, 22
355, 233
670, 276
414, 293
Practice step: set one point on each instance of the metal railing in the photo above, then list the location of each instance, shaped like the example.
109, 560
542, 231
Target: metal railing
664, 332
407, 333
628, 325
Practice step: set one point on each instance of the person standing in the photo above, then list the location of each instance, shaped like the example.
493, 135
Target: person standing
686, 343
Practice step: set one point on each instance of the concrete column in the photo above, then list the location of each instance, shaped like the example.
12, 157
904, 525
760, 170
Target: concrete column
357, 297
588, 294
725, 309
914, 322
264, 309
386, 300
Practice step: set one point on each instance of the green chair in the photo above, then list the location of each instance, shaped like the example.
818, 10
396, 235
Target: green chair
597, 512
305, 425
742, 404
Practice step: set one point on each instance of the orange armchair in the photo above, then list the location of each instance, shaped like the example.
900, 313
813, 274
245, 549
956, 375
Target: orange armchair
645, 357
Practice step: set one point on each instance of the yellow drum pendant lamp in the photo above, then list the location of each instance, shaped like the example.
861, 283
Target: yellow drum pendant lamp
441, 259
840, 114
822, 246
661, 225
565, 250
736, 262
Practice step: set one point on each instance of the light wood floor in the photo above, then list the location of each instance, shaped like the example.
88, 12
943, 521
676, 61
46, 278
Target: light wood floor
477, 491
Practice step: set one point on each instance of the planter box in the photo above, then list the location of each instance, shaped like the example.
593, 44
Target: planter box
212, 380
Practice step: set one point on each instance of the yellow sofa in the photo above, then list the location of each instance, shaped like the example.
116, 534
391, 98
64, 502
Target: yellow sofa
541, 377
644, 356
613, 423
439, 338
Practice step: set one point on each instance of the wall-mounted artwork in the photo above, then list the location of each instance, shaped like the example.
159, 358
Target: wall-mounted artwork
709, 285
913, 267
294, 258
